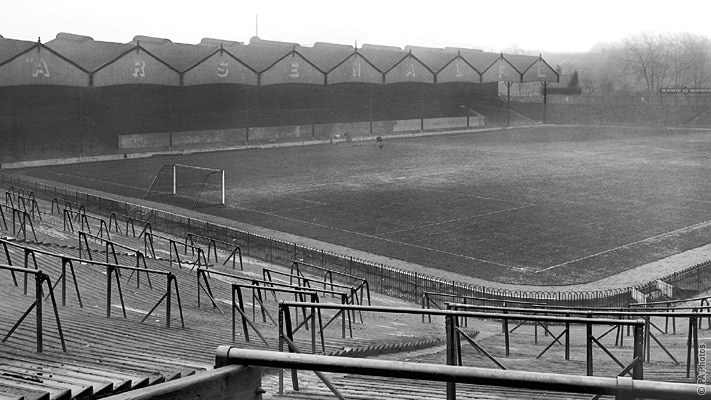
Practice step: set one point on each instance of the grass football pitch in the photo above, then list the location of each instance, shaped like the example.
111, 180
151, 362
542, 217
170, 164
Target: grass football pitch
542, 205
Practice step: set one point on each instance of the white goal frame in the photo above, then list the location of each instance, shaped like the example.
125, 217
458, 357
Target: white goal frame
222, 177
174, 179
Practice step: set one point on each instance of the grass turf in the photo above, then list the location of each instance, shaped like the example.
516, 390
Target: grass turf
544, 205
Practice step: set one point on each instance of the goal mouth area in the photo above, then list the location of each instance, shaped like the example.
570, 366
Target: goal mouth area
188, 186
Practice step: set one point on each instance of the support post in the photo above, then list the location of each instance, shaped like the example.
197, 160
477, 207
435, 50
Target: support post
545, 100
638, 353
38, 306
222, 172
450, 354
589, 348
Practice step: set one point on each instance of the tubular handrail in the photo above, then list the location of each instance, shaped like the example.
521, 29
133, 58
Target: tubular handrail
454, 334
620, 387
204, 285
471, 314
353, 291
456, 296
82, 260
23, 218
694, 318
111, 270
328, 273
427, 300
267, 272
236, 251
22, 200
37, 305
110, 244
238, 306
591, 311
668, 302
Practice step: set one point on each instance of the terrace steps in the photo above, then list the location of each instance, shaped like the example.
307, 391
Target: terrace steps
111, 355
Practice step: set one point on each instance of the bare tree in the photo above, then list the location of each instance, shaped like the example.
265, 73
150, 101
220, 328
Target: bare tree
645, 55
698, 55
675, 60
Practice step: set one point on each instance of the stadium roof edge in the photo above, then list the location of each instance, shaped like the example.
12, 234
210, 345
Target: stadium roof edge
462, 49
256, 40
150, 39
219, 42
423, 48
332, 45
73, 37
380, 47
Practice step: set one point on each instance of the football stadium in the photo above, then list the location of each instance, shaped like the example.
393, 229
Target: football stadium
411, 223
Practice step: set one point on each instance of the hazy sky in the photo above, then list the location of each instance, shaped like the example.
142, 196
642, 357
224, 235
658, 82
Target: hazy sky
539, 25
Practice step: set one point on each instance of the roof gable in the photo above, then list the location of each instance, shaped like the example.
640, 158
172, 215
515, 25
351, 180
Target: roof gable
178, 55
88, 53
458, 70
220, 67
409, 69
292, 68
355, 68
10, 48
136, 66
40, 65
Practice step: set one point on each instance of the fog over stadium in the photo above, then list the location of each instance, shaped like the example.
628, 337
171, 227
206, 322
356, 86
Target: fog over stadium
549, 26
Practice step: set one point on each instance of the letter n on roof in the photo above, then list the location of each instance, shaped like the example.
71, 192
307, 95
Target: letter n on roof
354, 68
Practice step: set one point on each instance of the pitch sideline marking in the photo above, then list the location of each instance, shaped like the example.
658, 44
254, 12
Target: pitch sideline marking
379, 238
95, 180
456, 220
625, 246
469, 196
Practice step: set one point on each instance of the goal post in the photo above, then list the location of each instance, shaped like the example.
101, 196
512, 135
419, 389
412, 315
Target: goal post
198, 185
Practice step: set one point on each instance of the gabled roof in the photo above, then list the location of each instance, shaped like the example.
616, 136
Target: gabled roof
383, 57
434, 58
480, 60
178, 55
540, 70
520, 62
10, 48
326, 56
258, 57
85, 51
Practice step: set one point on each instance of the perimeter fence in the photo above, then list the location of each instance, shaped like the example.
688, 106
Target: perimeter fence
382, 278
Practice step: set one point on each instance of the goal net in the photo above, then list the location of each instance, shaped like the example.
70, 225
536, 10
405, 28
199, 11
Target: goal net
188, 185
